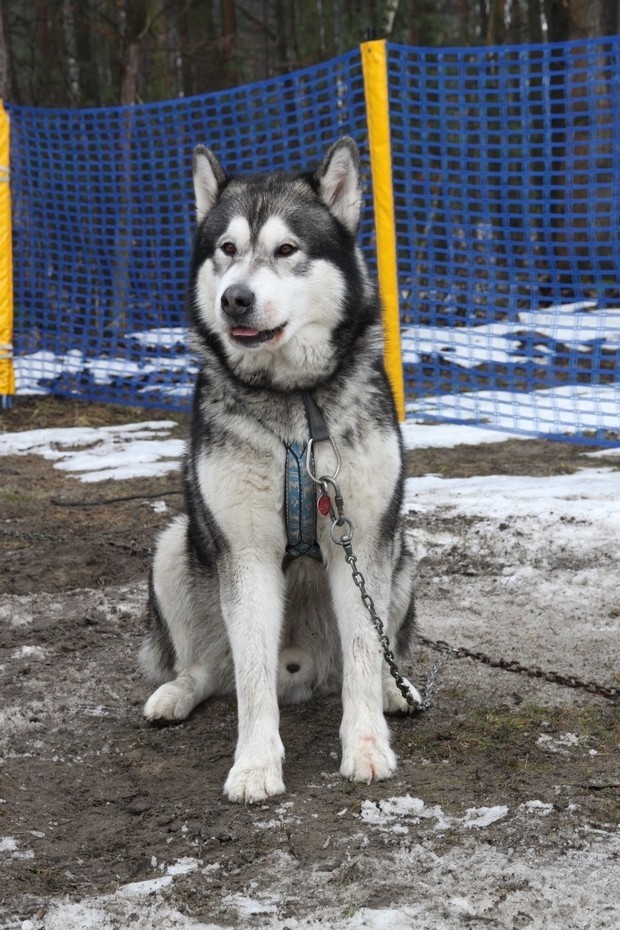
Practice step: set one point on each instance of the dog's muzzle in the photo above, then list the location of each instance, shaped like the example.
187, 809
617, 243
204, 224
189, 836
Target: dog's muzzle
238, 303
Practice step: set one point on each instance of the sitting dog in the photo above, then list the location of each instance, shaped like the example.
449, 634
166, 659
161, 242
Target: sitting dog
248, 590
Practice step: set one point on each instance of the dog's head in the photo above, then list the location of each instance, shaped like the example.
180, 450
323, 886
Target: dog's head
280, 289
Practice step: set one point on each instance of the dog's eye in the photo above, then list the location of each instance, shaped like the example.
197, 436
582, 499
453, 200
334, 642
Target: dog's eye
228, 248
285, 250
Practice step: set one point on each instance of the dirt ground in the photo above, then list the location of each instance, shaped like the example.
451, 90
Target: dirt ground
93, 800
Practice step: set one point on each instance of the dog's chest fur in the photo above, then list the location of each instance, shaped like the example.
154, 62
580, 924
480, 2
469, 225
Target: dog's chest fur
239, 445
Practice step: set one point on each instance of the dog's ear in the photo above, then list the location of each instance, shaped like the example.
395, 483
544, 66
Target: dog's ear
340, 182
209, 178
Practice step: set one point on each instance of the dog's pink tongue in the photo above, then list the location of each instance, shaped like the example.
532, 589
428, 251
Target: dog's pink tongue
245, 331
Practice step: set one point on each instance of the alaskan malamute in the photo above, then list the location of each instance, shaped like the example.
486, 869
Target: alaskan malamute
249, 591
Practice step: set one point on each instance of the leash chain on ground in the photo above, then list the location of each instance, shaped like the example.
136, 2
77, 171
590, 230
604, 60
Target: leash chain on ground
610, 692
61, 502
129, 547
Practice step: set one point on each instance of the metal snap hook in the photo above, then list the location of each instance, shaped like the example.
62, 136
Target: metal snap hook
309, 460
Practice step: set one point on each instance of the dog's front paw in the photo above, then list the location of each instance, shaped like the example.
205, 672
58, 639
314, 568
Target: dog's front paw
369, 759
248, 783
394, 702
171, 702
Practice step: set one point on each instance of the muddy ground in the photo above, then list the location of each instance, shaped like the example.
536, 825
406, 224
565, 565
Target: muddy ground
94, 800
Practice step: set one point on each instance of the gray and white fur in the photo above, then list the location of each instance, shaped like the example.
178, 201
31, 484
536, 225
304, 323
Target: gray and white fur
281, 302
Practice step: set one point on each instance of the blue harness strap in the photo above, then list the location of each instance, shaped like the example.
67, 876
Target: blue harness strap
299, 506
300, 501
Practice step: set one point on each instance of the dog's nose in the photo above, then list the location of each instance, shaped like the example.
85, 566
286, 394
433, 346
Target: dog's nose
237, 300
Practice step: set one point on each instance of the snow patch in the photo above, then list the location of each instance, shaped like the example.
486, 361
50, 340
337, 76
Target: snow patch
397, 814
11, 846
246, 906
537, 807
127, 451
560, 744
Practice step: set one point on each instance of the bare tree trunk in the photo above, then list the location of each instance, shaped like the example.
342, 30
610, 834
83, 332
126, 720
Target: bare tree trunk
585, 20
295, 34
389, 13
133, 26
464, 27
534, 20
201, 56
319, 11
70, 59
229, 23
496, 22
89, 50
133, 18
282, 56
557, 14
516, 22
129, 73
172, 41
610, 17
6, 71
483, 20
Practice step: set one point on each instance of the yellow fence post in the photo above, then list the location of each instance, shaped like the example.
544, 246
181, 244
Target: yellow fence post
374, 65
7, 374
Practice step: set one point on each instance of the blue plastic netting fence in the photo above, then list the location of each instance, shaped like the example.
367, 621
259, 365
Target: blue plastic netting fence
507, 189
103, 219
506, 169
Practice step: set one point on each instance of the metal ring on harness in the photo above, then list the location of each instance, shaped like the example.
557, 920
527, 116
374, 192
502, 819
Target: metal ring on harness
309, 460
345, 539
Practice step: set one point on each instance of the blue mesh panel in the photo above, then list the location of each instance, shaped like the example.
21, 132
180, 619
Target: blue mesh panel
103, 218
506, 167
507, 189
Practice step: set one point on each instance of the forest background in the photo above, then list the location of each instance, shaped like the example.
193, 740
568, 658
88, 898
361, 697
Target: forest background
93, 53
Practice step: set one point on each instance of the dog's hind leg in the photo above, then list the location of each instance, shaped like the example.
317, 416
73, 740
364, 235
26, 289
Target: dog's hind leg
175, 700
184, 649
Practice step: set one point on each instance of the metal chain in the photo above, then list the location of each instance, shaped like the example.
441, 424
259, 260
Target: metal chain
446, 650
611, 692
384, 641
345, 541
18, 534
129, 547
431, 678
